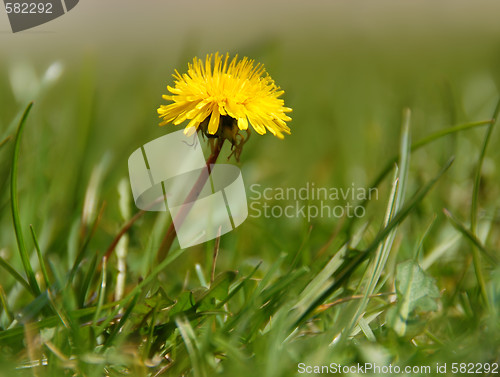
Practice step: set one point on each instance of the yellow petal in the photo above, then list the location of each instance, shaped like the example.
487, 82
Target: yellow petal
189, 131
193, 124
242, 123
213, 125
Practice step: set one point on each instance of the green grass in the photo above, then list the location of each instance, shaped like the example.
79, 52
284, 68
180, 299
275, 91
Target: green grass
413, 282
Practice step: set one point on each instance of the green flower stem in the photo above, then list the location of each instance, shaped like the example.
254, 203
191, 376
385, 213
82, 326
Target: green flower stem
169, 238
170, 235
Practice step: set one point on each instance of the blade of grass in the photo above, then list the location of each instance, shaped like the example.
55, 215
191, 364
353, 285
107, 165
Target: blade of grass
240, 285
14, 202
4, 141
83, 248
317, 287
122, 231
169, 259
270, 297
271, 272
364, 326
416, 199
474, 206
14, 274
424, 238
190, 341
121, 323
470, 236
404, 159
87, 280
214, 257
58, 311
30, 312
150, 336
343, 300
3, 301
435, 253
13, 124
10, 334
201, 276
40, 257
382, 254
447, 131
477, 179
101, 292
257, 295
301, 248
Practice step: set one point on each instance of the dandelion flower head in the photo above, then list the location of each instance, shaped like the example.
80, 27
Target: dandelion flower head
217, 87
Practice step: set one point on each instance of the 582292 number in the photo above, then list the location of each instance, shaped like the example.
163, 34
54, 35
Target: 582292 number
473, 368
28, 8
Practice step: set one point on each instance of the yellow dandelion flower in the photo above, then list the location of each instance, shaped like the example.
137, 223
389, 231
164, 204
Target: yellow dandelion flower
238, 89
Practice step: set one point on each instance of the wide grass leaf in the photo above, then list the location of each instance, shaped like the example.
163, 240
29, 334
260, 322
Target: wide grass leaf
416, 290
